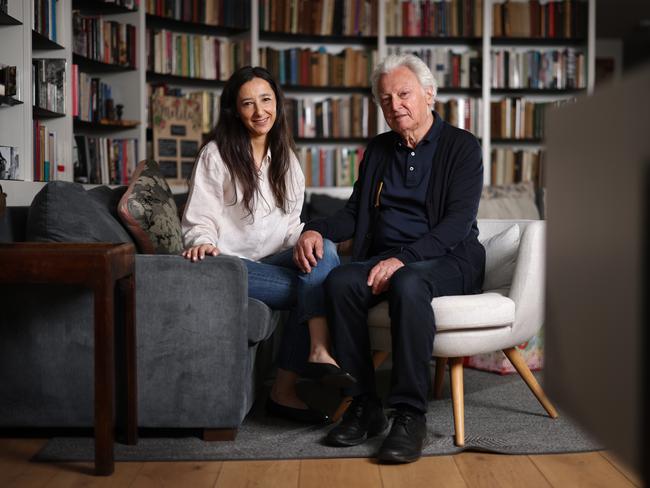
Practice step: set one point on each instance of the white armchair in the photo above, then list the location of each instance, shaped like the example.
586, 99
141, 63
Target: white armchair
497, 319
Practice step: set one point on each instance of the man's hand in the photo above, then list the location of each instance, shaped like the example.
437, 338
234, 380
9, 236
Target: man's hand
307, 249
380, 274
196, 253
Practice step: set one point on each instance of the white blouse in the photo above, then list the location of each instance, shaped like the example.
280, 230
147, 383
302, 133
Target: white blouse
211, 218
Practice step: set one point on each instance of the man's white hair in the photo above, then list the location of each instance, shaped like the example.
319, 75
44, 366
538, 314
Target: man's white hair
410, 61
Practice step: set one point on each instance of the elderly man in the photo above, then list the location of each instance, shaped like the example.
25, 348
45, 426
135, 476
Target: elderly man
412, 215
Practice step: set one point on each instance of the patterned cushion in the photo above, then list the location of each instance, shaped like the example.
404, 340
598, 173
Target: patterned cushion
148, 210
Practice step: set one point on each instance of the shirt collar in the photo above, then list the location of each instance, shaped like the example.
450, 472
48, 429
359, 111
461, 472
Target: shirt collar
432, 134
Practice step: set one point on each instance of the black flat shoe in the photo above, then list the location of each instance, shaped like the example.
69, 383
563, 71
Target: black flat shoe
328, 374
304, 416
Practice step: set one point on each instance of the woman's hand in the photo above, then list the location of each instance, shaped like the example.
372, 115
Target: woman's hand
196, 253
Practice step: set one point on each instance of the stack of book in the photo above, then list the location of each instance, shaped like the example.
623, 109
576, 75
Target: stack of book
321, 18
305, 67
92, 99
103, 160
48, 84
106, 41
451, 68
330, 166
224, 13
348, 116
548, 69
535, 18
45, 151
434, 18
44, 20
514, 166
517, 118
465, 113
194, 56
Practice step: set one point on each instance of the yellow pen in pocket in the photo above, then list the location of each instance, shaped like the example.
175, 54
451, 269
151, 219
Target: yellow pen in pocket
381, 185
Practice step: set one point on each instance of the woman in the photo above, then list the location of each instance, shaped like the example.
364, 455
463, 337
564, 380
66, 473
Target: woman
245, 199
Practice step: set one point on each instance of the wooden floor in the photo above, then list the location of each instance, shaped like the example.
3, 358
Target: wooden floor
594, 469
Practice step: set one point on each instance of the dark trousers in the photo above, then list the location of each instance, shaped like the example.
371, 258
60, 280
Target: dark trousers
412, 287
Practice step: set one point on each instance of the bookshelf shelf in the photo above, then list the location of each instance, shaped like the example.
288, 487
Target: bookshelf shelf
538, 41
158, 22
88, 65
6, 19
325, 89
8, 101
41, 42
517, 142
434, 40
518, 92
159, 78
100, 7
43, 113
332, 140
314, 39
103, 126
450, 90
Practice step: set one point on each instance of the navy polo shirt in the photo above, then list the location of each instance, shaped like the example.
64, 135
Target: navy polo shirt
402, 216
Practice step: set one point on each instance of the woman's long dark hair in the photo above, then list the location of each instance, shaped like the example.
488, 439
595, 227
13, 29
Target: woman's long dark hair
234, 142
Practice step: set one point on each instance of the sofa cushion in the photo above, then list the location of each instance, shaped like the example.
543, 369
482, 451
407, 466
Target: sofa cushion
500, 258
66, 212
515, 201
149, 212
321, 206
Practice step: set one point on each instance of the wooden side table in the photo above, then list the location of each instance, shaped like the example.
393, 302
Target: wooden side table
106, 269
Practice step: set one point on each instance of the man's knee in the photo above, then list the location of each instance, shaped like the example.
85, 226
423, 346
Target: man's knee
406, 281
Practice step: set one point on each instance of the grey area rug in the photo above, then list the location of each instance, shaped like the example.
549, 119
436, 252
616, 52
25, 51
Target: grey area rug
501, 416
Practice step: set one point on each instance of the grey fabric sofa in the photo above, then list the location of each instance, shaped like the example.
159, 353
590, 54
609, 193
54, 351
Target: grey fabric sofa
197, 333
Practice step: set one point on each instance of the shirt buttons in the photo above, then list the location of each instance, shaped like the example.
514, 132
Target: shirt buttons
411, 168
413, 153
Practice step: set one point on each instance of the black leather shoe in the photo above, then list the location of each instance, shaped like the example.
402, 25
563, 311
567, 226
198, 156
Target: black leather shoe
404, 442
363, 419
328, 374
305, 416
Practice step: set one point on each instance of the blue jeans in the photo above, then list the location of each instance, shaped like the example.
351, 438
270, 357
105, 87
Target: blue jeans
278, 282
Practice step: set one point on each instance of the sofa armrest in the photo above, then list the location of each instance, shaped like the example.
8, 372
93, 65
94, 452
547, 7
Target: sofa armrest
192, 332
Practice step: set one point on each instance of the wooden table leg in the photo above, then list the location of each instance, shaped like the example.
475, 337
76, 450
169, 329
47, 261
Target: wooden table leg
104, 378
127, 290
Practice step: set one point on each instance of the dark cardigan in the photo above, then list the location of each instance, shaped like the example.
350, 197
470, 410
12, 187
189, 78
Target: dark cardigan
453, 196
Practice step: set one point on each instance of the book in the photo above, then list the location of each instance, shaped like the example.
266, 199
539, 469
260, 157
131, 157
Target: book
10, 163
176, 127
49, 84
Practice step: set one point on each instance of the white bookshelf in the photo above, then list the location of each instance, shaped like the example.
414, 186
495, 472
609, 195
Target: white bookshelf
130, 89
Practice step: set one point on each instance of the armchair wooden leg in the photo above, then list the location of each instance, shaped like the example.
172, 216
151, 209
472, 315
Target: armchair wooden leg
378, 357
457, 399
439, 377
524, 371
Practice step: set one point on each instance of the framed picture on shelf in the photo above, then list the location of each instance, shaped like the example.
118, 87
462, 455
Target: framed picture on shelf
9, 163
176, 124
